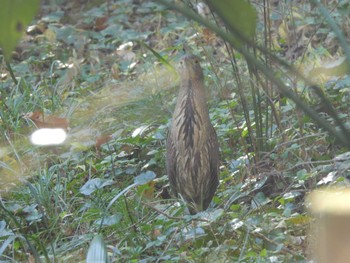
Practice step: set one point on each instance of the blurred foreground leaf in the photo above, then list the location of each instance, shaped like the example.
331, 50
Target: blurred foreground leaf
238, 15
15, 15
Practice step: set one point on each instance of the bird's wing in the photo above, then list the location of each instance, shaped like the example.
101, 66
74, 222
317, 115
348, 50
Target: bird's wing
214, 156
171, 163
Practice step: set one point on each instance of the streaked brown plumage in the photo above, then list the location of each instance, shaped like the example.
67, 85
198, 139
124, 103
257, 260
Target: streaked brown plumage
192, 146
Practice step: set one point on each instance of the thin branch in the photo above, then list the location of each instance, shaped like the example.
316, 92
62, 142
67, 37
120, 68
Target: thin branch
9, 68
173, 217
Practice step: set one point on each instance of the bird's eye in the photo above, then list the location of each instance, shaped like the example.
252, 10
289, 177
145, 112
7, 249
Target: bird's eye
196, 61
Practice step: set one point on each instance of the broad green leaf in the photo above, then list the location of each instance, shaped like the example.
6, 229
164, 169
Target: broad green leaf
31, 213
94, 184
259, 200
263, 253
110, 220
4, 232
238, 15
195, 233
97, 252
7, 243
144, 178
15, 15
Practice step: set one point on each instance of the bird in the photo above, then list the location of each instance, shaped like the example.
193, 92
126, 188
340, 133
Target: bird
192, 148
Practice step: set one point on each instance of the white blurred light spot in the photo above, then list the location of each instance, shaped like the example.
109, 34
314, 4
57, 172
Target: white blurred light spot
46, 136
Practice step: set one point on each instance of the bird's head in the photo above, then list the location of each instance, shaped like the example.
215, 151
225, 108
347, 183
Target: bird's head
189, 68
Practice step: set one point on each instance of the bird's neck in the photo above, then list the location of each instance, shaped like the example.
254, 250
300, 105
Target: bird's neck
192, 100
193, 87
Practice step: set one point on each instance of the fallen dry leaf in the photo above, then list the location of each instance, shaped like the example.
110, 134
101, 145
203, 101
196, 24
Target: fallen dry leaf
49, 121
100, 23
102, 140
149, 191
31, 258
209, 36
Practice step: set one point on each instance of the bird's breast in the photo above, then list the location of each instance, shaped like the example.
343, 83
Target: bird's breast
190, 121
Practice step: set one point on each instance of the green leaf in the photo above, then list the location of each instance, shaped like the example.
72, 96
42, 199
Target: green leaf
259, 200
238, 15
6, 243
158, 56
97, 252
15, 15
144, 178
94, 184
110, 220
263, 253
31, 213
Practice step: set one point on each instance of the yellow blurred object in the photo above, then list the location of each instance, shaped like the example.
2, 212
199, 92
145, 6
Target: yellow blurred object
331, 232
